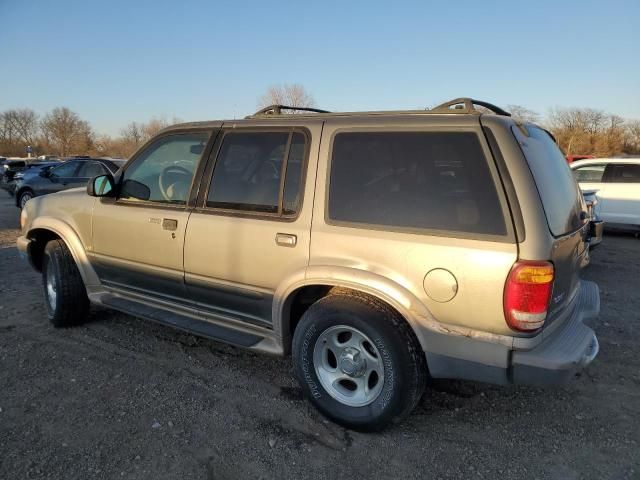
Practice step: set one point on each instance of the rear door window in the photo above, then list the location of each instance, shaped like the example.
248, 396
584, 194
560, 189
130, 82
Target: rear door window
250, 169
437, 181
623, 173
559, 191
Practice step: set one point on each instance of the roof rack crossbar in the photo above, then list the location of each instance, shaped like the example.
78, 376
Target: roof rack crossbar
467, 105
277, 110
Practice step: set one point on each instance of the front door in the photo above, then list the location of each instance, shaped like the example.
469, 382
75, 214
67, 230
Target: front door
620, 197
138, 237
251, 230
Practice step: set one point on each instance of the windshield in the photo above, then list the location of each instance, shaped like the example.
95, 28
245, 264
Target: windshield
559, 192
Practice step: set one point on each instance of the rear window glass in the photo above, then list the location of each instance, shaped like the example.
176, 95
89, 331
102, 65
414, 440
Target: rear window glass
559, 192
414, 180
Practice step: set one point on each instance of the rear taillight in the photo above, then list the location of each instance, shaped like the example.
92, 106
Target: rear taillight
526, 295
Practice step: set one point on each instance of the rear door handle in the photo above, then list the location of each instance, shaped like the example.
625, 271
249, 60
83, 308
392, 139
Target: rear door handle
169, 224
286, 240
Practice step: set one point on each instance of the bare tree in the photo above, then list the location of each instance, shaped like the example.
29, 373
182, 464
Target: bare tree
133, 133
632, 137
587, 131
293, 95
523, 114
24, 123
153, 126
65, 132
19, 128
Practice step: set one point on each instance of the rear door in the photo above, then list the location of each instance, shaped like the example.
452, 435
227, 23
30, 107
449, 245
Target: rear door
620, 197
563, 205
251, 230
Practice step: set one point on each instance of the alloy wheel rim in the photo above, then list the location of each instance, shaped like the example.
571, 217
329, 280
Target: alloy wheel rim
348, 365
25, 198
51, 288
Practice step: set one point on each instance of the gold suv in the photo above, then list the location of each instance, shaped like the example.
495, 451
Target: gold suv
377, 248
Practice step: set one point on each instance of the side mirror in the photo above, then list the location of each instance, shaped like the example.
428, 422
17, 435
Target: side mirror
45, 172
101, 186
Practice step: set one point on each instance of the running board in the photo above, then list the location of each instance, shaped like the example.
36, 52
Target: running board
183, 322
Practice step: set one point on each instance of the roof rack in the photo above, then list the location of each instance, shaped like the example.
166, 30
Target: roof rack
277, 110
467, 105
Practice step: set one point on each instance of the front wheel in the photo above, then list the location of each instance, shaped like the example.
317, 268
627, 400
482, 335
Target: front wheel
25, 197
64, 291
358, 361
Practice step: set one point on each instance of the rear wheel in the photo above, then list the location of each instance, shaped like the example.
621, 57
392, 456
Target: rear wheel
64, 291
358, 361
25, 196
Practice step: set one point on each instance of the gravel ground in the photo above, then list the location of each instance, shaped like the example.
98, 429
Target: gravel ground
121, 397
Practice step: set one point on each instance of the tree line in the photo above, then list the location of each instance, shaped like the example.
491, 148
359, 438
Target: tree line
61, 132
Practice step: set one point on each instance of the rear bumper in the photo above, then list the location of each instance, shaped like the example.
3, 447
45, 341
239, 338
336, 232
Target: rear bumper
555, 356
559, 357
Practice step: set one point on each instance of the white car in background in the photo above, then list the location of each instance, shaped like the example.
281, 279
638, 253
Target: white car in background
616, 184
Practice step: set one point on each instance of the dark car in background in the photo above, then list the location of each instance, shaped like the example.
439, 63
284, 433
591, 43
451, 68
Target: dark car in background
13, 169
55, 178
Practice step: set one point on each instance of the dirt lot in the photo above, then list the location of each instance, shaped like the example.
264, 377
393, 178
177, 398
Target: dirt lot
125, 398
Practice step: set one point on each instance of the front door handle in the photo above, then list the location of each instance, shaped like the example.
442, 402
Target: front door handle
169, 224
286, 240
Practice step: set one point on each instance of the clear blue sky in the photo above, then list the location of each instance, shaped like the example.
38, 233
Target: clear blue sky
114, 61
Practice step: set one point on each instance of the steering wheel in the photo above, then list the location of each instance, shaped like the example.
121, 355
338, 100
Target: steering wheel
165, 187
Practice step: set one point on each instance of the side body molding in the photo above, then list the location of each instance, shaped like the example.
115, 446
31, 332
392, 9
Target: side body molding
73, 242
428, 330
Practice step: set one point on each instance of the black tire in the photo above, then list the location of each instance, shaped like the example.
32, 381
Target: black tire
404, 362
69, 305
25, 195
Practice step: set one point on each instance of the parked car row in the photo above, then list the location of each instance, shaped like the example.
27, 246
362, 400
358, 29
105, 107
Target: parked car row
11, 167
51, 178
28, 178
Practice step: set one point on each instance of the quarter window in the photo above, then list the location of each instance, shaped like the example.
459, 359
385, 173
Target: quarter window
249, 171
91, 169
414, 180
164, 171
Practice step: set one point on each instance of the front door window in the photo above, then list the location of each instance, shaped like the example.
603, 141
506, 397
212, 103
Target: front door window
163, 173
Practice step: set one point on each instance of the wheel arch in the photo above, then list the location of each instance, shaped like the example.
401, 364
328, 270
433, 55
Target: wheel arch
291, 303
45, 229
